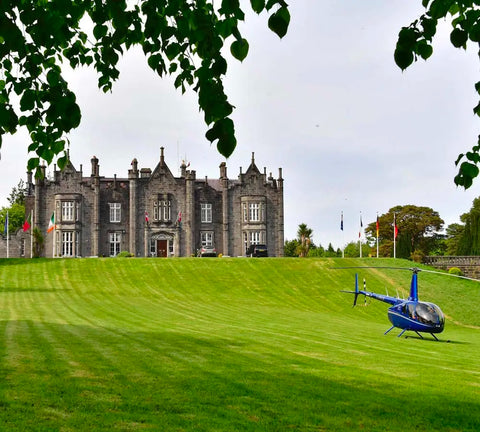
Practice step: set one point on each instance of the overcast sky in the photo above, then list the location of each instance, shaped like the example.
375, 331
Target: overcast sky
327, 104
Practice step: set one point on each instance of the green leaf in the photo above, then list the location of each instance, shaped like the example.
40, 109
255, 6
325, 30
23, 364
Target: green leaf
239, 49
279, 21
62, 161
226, 145
99, 31
219, 67
458, 37
424, 50
459, 158
429, 28
230, 6
407, 37
469, 170
172, 50
403, 58
474, 32
476, 110
33, 163
258, 5
474, 157
224, 131
27, 102
439, 8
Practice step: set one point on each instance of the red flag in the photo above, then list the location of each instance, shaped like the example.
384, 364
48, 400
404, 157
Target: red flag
378, 226
27, 223
395, 226
147, 219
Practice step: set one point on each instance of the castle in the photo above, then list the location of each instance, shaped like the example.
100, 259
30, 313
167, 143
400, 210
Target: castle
153, 213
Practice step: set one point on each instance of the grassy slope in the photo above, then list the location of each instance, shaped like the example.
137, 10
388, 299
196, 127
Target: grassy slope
228, 344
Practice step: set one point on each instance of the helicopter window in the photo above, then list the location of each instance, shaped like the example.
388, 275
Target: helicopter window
411, 311
428, 313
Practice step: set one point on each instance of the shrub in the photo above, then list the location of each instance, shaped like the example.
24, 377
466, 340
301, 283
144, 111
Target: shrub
417, 256
455, 271
124, 254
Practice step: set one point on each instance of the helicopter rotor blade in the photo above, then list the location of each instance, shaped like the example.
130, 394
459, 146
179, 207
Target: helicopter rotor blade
451, 275
412, 269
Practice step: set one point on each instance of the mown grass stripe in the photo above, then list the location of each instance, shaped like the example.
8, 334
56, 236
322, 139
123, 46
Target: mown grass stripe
226, 344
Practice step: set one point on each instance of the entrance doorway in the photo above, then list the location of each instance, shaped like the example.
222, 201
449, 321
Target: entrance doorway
162, 248
161, 245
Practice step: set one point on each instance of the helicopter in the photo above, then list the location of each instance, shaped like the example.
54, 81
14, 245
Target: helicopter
407, 314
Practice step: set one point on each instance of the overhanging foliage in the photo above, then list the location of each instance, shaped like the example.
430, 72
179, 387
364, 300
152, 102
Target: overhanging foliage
179, 37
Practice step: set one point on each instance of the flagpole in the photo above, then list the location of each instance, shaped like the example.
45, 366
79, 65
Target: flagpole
31, 234
360, 235
8, 241
343, 235
394, 236
377, 234
54, 234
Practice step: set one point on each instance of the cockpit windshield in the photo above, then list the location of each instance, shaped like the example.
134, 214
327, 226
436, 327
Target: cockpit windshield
429, 313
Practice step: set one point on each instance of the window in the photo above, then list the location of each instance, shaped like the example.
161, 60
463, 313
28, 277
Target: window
67, 243
206, 238
68, 210
153, 247
255, 237
115, 212
206, 212
254, 212
245, 212
115, 243
162, 210
167, 210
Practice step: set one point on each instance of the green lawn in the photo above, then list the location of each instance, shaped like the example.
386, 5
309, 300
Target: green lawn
229, 344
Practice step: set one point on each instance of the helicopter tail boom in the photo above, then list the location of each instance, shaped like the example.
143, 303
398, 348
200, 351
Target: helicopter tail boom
380, 297
356, 292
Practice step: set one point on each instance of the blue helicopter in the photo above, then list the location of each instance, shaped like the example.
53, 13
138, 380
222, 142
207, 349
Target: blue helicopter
410, 314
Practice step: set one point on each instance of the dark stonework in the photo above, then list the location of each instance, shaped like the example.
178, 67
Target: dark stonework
153, 213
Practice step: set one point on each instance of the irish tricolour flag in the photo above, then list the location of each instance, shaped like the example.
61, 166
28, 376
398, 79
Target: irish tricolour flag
51, 224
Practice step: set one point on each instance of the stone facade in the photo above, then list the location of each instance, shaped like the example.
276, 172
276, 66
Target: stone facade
153, 213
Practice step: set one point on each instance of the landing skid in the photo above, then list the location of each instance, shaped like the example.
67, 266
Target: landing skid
404, 330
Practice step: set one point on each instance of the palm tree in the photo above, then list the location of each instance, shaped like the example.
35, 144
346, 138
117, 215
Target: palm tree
304, 237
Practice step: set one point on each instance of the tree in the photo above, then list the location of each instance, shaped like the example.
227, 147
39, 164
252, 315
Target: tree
415, 41
454, 235
17, 195
179, 37
352, 250
304, 235
290, 248
469, 238
417, 227
16, 211
330, 252
316, 251
16, 217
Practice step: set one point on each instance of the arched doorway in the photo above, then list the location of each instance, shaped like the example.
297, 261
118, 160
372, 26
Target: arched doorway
161, 245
